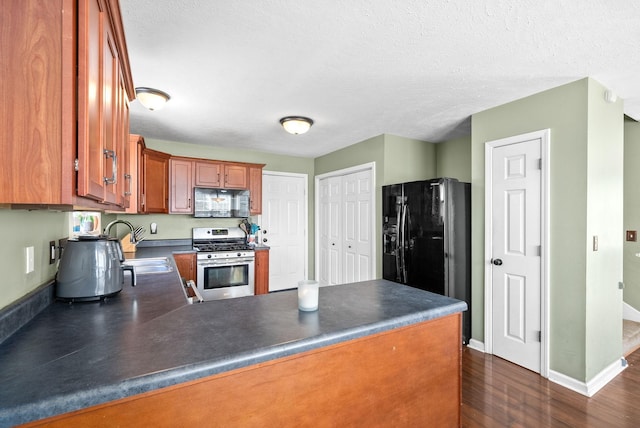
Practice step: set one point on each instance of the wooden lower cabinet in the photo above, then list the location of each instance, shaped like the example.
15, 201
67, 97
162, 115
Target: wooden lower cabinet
186, 264
406, 377
262, 272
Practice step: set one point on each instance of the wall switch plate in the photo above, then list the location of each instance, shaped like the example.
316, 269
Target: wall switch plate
595, 243
52, 252
29, 260
632, 235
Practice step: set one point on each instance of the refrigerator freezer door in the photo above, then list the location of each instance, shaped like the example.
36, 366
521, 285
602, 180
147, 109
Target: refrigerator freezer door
392, 201
425, 255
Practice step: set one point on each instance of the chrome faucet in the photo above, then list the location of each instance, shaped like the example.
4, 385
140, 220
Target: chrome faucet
108, 228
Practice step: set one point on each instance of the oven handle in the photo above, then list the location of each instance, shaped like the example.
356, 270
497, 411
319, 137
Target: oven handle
242, 261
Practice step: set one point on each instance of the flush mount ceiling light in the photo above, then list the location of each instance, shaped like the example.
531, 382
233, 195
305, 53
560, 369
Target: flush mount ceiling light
296, 124
153, 99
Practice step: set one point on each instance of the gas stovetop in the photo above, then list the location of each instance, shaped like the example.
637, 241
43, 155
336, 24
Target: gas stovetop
207, 239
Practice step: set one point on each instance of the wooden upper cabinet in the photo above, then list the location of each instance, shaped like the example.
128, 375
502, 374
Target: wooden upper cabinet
208, 174
255, 189
58, 60
235, 176
187, 173
154, 182
181, 186
127, 181
102, 104
220, 174
131, 183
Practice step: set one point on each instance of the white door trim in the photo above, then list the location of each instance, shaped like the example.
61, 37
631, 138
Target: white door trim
305, 178
371, 166
545, 137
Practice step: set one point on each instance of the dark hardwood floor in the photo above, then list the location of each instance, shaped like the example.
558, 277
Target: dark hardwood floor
496, 393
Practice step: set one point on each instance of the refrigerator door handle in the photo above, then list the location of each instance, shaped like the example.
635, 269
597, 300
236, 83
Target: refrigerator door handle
398, 241
403, 244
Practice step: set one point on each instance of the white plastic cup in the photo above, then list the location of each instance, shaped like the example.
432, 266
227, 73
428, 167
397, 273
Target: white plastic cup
308, 295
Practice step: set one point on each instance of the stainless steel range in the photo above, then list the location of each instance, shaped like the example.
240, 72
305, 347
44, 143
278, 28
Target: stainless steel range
225, 263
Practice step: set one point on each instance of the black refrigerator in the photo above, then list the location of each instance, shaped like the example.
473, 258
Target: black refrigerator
427, 238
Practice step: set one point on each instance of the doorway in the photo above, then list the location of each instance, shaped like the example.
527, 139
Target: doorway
284, 227
516, 236
345, 227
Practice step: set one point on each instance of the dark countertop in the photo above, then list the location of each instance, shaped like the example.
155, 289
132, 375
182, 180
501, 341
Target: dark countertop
77, 355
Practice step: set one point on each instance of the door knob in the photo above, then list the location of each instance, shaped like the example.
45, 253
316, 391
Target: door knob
497, 262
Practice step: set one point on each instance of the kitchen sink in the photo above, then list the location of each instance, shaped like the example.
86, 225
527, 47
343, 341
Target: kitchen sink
149, 265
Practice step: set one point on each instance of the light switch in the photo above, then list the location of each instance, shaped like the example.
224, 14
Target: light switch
29, 259
595, 243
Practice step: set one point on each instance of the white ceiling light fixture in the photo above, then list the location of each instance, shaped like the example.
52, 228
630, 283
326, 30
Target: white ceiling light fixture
153, 99
296, 124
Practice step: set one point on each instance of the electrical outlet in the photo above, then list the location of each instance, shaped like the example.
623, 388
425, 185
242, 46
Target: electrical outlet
154, 228
29, 262
632, 236
52, 252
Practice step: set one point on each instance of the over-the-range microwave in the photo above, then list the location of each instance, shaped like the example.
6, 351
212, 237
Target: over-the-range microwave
220, 203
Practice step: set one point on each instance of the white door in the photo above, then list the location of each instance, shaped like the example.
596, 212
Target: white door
330, 231
357, 208
516, 248
345, 216
284, 228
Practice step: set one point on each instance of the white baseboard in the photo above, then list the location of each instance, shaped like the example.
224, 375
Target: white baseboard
594, 385
476, 344
630, 313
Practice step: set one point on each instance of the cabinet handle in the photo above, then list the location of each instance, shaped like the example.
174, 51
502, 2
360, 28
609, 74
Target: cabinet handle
114, 162
128, 177
188, 202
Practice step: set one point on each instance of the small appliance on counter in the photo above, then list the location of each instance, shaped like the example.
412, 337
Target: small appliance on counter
91, 269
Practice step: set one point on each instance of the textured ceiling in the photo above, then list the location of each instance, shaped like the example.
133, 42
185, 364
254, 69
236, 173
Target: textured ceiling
361, 68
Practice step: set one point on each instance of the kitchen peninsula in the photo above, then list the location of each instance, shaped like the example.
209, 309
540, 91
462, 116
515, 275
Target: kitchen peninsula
374, 353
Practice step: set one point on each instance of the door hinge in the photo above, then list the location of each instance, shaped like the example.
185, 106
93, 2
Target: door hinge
76, 165
540, 164
540, 336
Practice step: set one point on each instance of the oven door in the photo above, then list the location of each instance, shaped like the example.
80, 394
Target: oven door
226, 278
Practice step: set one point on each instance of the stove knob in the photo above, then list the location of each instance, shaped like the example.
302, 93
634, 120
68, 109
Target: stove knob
239, 254
208, 256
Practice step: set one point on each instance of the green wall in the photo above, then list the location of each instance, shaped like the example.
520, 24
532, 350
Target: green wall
632, 212
20, 229
397, 159
582, 127
453, 159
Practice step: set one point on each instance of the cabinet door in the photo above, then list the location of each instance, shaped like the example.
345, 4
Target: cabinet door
181, 189
110, 140
235, 176
207, 174
132, 183
255, 190
186, 264
90, 99
156, 182
262, 272
125, 171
